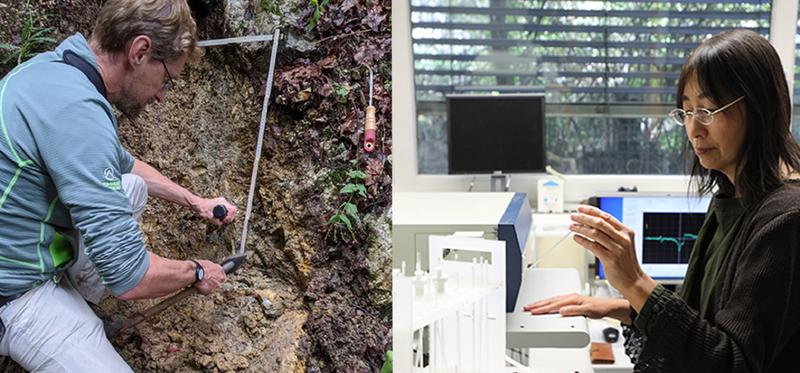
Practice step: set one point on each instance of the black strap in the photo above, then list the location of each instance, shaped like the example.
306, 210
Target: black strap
73, 59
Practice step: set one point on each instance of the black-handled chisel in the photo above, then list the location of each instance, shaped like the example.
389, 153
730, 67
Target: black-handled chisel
220, 212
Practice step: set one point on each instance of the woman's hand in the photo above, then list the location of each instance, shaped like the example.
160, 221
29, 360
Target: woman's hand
613, 243
579, 305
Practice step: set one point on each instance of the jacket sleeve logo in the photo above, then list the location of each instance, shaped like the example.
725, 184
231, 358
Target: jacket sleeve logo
112, 181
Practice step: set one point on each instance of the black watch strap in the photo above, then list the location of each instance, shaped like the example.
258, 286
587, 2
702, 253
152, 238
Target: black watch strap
199, 271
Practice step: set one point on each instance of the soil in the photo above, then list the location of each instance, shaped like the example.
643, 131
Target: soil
314, 296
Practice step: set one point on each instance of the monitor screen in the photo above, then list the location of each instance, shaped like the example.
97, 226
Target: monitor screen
665, 230
490, 133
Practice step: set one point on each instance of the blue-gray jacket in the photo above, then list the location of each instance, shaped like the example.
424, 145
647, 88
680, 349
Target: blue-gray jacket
61, 164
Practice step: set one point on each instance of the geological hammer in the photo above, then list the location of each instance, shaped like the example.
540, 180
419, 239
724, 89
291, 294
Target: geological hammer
229, 265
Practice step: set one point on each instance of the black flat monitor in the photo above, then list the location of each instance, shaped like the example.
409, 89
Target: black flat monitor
489, 133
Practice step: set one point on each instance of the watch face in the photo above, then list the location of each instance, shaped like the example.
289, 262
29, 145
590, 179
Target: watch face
199, 272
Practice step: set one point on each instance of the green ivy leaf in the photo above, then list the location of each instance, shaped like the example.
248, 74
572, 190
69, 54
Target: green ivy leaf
362, 190
334, 219
341, 90
356, 174
344, 219
349, 189
387, 364
351, 209
312, 22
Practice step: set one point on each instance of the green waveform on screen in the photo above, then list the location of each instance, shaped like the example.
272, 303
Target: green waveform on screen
678, 241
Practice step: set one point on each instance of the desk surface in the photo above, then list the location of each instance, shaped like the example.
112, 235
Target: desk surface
622, 363
560, 360
540, 283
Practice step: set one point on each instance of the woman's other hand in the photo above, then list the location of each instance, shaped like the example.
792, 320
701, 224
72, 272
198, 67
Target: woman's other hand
579, 305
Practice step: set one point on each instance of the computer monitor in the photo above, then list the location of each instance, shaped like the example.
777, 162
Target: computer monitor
489, 133
665, 227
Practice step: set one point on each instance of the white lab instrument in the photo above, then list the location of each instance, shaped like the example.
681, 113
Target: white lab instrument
454, 314
460, 329
550, 192
503, 216
526, 330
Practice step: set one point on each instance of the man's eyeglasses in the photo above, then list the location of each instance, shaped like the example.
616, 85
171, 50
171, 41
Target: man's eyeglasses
702, 116
169, 84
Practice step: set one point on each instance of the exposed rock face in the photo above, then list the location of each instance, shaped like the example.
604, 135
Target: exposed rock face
315, 296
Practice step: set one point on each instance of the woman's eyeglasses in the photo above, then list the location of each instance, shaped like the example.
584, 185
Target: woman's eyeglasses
701, 115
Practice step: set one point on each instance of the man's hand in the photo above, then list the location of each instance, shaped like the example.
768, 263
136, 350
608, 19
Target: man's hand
213, 276
160, 186
205, 208
166, 276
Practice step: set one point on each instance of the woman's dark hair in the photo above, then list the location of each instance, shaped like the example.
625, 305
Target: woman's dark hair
742, 63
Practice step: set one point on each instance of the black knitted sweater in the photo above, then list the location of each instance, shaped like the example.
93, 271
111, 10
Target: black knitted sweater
755, 324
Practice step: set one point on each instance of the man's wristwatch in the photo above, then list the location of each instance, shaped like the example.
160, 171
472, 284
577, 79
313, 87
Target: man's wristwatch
199, 272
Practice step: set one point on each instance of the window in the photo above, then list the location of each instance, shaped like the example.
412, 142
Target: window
608, 69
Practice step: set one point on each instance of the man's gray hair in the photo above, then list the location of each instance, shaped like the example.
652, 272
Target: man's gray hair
168, 23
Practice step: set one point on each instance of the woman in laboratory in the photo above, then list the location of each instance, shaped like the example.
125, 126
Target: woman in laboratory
739, 307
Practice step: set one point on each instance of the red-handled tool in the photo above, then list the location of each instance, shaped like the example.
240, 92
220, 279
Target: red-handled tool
370, 125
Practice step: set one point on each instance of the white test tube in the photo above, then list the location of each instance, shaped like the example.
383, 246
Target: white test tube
478, 276
473, 272
458, 338
484, 317
419, 347
432, 346
440, 346
480, 270
475, 336
440, 360
480, 334
485, 271
485, 320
